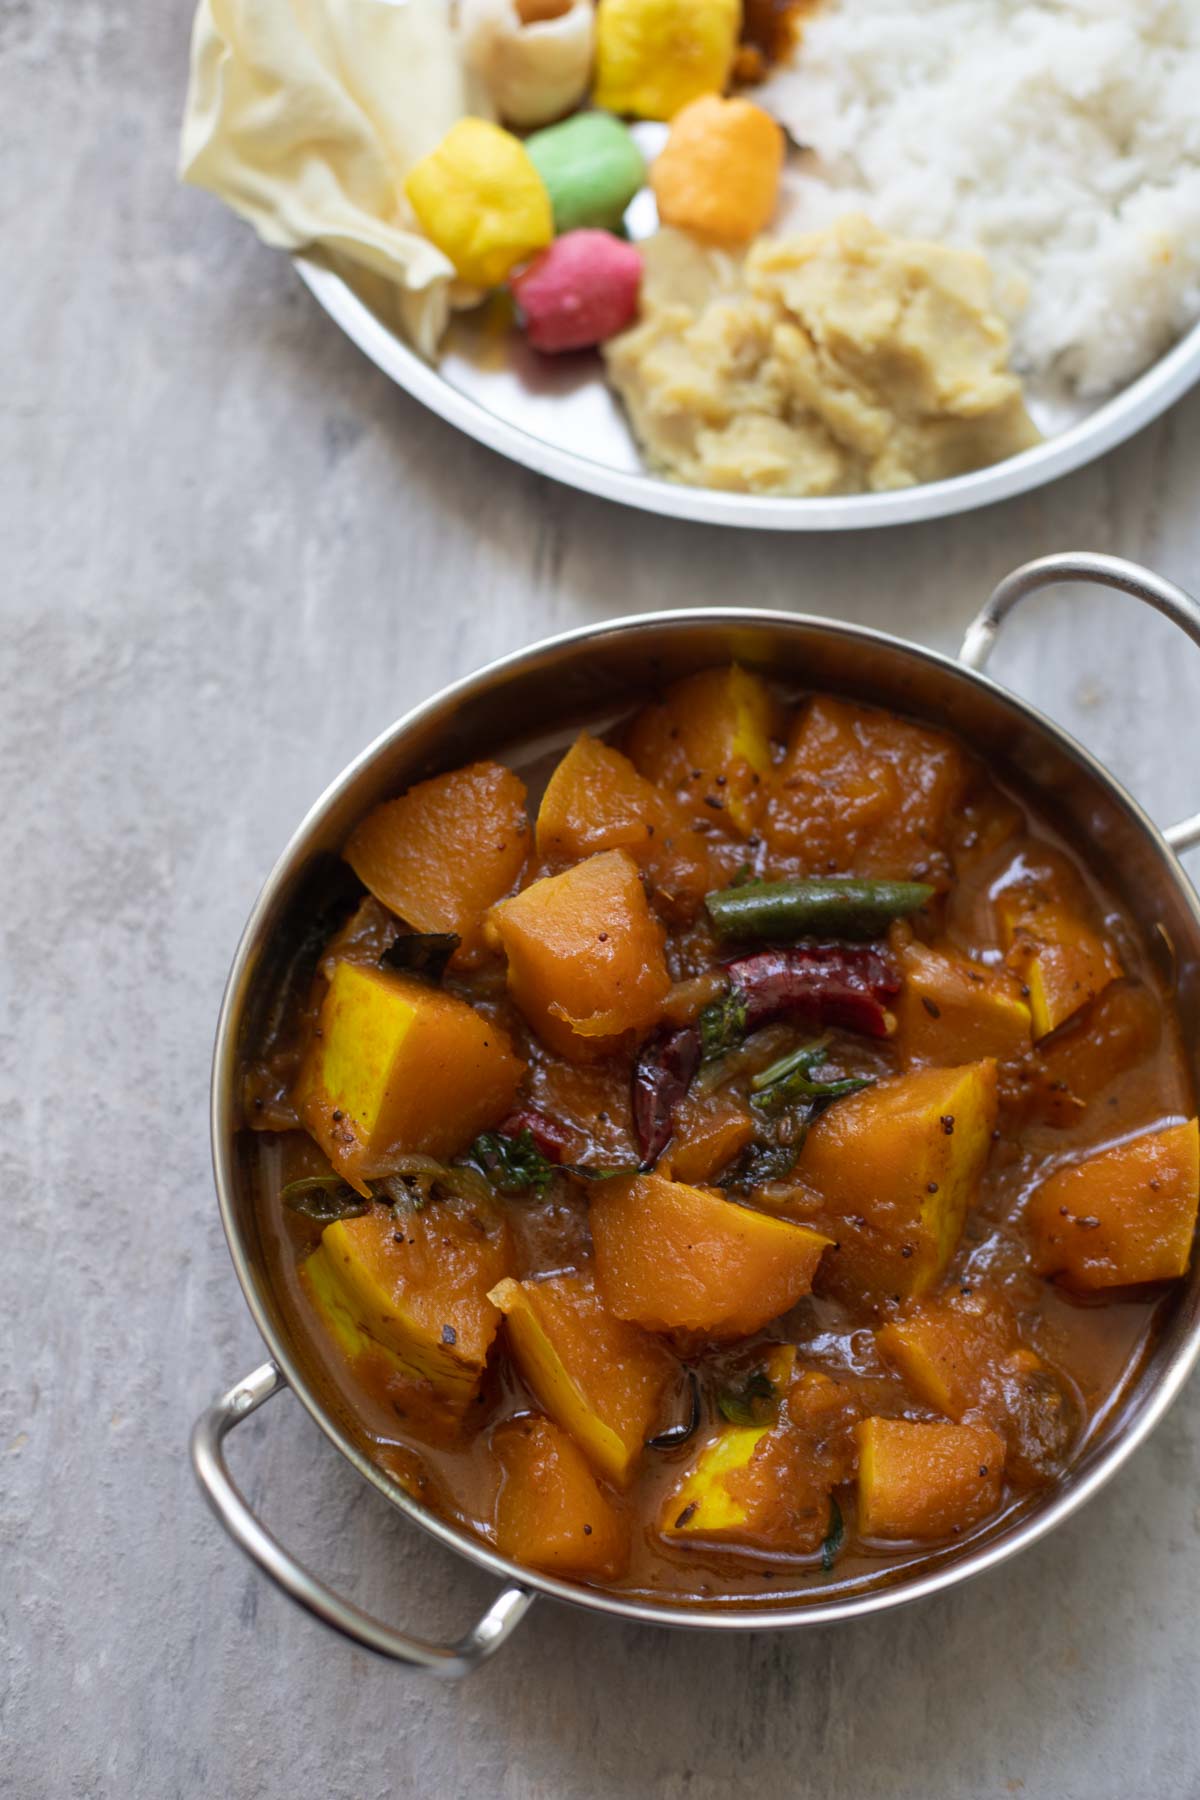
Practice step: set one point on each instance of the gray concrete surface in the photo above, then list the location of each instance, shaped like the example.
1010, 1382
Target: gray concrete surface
232, 553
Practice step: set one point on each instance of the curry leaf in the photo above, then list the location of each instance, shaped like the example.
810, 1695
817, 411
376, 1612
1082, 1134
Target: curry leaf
324, 1198
674, 1435
421, 953
587, 1172
759, 1164
722, 1025
753, 1405
790, 1079
834, 1537
514, 1165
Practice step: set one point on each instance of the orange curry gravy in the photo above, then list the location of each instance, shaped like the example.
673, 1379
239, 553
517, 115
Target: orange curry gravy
1014, 1335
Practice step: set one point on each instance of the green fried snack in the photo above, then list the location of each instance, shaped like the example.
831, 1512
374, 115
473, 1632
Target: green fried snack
591, 167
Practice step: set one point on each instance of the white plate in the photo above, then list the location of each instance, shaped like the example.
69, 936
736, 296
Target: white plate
556, 415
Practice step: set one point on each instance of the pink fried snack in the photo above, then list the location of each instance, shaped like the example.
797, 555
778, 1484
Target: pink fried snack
578, 292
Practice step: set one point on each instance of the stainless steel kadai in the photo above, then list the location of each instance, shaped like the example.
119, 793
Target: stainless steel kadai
549, 687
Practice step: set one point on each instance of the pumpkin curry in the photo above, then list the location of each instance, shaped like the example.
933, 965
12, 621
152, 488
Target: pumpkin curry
739, 1152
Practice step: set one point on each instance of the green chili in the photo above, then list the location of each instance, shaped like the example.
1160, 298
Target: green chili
812, 906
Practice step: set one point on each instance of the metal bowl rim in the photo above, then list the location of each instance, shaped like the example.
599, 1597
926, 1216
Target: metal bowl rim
687, 1615
1148, 395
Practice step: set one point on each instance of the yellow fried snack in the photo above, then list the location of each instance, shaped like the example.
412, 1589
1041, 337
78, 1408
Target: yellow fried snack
719, 172
653, 56
479, 198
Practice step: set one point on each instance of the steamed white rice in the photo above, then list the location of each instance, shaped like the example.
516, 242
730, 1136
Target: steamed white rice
1061, 137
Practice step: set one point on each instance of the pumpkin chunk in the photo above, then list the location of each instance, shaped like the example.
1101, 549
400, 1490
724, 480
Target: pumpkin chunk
417, 1284
702, 1507
961, 1355
709, 1133
896, 1168
433, 1411
442, 853
550, 1511
1061, 960
920, 1481
585, 955
1123, 1215
334, 1307
678, 1258
1081, 1062
601, 1379
396, 1065
708, 741
768, 1485
596, 800
945, 1353
862, 792
952, 1011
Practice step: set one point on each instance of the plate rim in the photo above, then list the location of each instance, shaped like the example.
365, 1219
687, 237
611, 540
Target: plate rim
1117, 419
